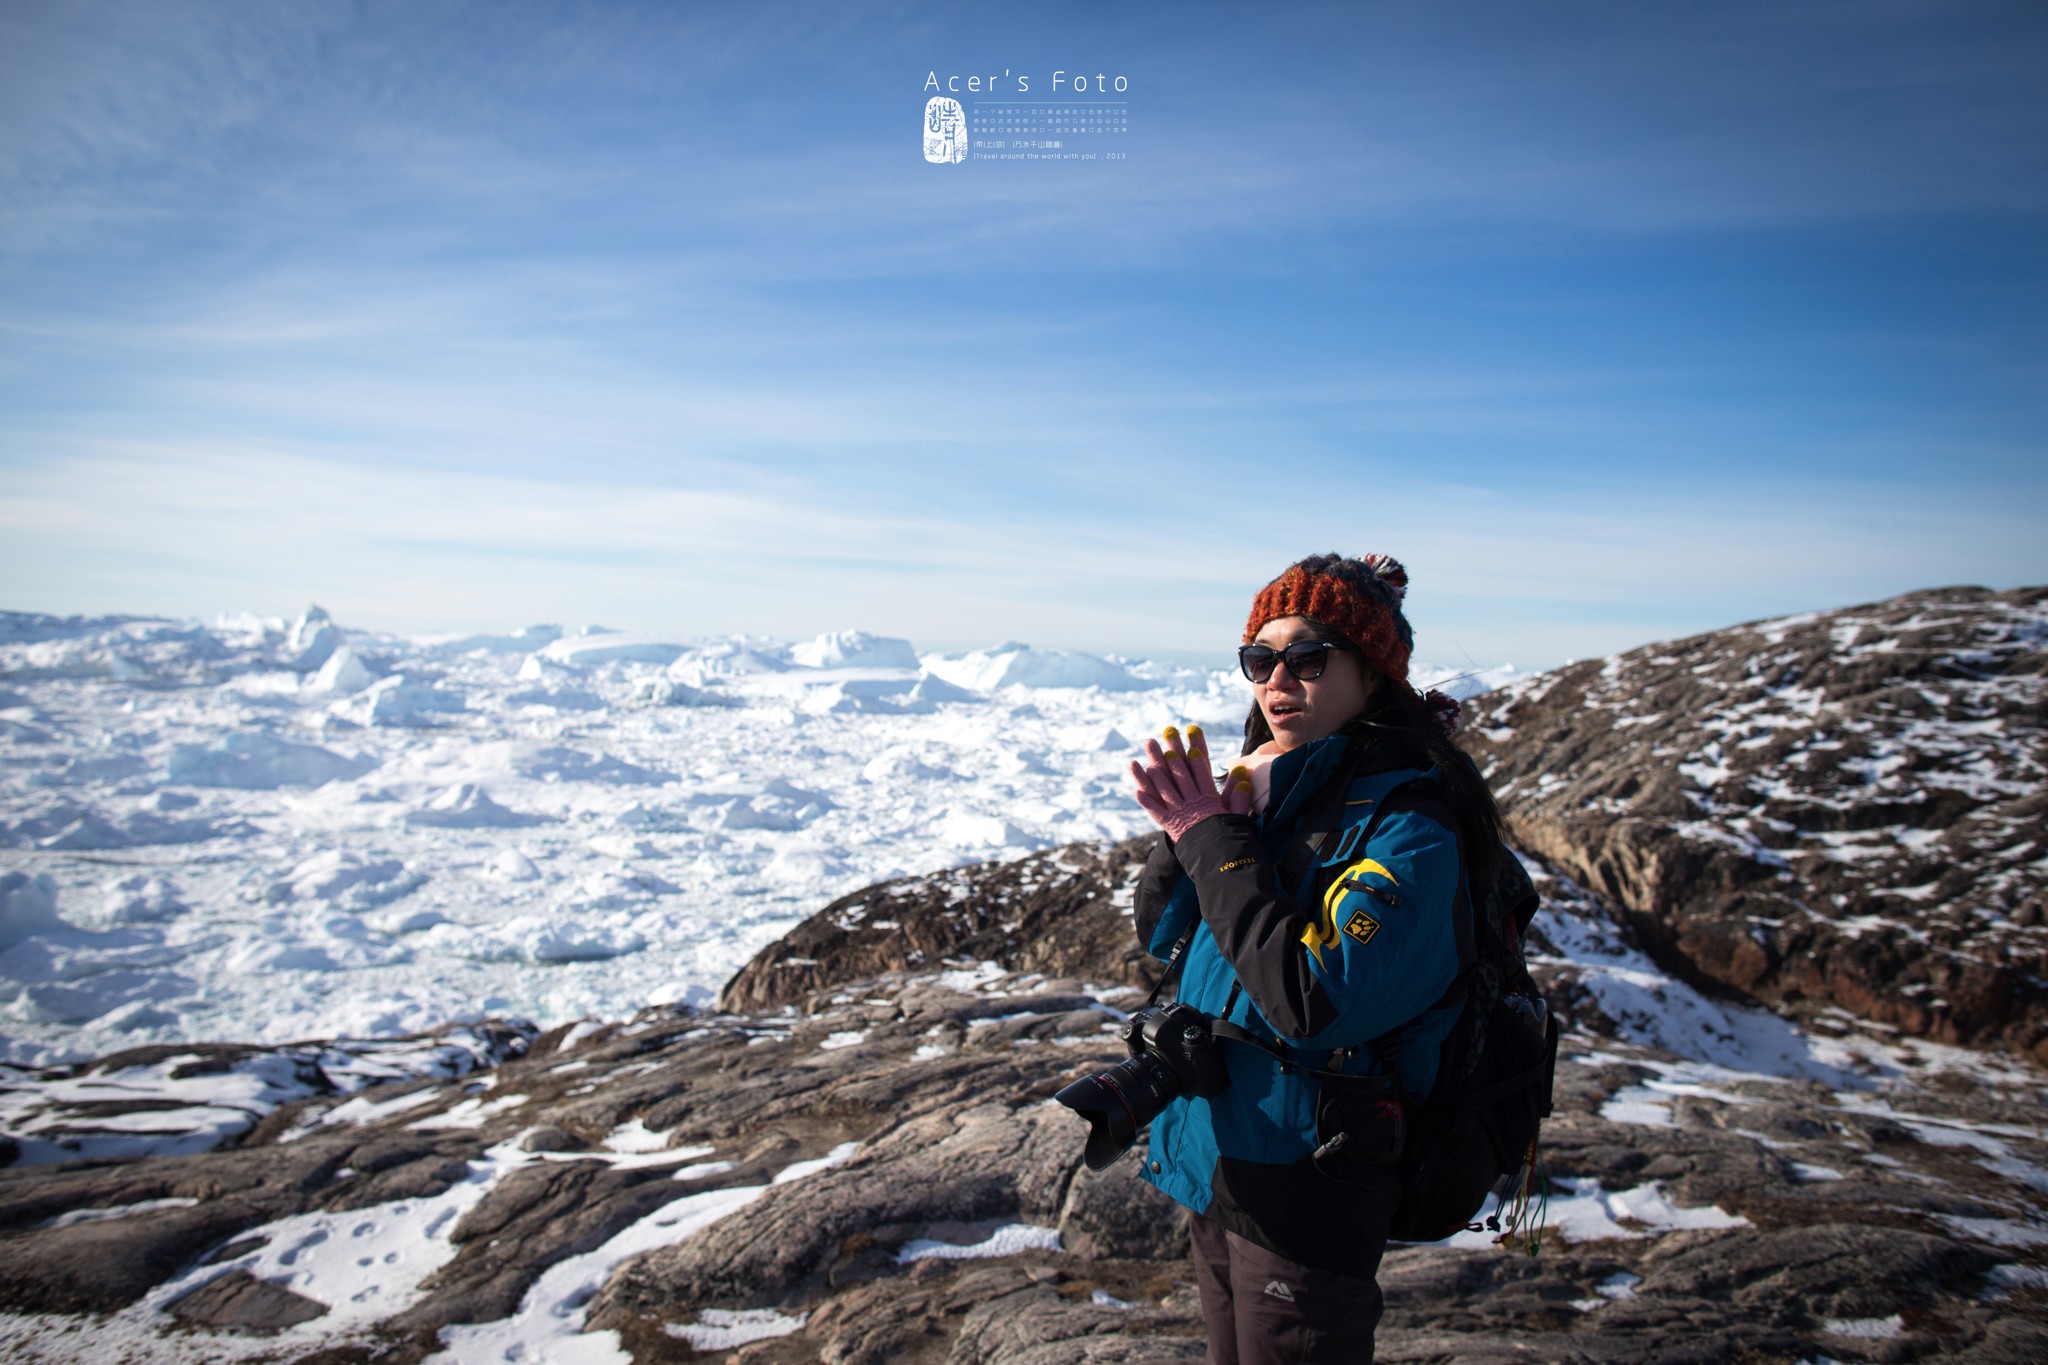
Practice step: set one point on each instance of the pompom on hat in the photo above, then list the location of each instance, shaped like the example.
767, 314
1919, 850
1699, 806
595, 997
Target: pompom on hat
1361, 600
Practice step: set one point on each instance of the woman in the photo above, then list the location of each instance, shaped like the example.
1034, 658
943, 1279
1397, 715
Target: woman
1311, 905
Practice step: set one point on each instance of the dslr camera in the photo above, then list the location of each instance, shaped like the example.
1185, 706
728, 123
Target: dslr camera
1173, 1053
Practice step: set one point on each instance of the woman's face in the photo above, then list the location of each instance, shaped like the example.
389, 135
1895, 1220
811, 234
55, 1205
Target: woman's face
1302, 712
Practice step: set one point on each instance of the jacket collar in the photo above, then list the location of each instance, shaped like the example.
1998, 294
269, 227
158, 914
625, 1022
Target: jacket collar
1298, 774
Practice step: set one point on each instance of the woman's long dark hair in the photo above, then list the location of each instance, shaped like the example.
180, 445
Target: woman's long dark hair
1396, 714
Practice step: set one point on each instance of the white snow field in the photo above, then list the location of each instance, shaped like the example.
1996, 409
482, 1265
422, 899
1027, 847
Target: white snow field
256, 831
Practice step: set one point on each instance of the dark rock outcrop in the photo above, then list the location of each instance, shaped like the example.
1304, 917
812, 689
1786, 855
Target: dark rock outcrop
99, 1266
1839, 810
924, 1101
241, 1302
1063, 912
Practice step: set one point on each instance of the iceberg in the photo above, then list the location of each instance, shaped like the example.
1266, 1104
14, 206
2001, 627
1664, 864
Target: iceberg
855, 649
468, 806
584, 651
931, 689
1017, 665
669, 692
522, 641
398, 700
725, 661
344, 674
314, 638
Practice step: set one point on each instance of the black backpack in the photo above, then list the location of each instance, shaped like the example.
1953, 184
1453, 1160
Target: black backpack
1475, 1133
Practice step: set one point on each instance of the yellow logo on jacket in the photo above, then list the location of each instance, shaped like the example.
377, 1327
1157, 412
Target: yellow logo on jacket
1321, 934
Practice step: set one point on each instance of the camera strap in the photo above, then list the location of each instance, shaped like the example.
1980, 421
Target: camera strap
1173, 959
1229, 1032
1232, 1033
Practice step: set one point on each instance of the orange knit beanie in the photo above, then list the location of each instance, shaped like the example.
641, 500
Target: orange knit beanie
1360, 599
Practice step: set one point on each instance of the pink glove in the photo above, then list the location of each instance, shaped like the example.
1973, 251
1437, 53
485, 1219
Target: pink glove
1178, 790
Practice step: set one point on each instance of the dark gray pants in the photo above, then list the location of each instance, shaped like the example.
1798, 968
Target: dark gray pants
1262, 1309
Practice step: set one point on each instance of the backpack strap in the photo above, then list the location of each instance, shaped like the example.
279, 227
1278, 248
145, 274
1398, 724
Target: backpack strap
1516, 893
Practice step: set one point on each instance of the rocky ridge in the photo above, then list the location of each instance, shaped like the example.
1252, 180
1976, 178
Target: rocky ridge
1058, 915
873, 1171
1838, 811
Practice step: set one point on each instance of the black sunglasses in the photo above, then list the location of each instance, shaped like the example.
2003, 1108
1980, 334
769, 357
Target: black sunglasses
1305, 659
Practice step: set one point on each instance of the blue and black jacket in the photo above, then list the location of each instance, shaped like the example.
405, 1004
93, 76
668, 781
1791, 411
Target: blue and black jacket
1345, 970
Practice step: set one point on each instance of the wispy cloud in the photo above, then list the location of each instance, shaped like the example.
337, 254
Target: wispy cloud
194, 530
1616, 317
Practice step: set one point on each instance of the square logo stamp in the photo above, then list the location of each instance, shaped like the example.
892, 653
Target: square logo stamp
945, 130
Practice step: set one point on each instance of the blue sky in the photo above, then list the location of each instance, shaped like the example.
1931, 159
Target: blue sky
1615, 321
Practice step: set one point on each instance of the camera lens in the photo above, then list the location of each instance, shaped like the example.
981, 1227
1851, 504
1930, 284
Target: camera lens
1117, 1103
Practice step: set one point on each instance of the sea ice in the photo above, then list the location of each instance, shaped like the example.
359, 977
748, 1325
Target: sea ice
347, 880
853, 696
88, 831
669, 692
255, 761
541, 668
74, 954
393, 877
563, 764
28, 906
966, 830
538, 939
509, 864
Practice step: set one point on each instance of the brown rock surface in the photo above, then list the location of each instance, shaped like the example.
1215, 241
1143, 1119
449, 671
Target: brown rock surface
240, 1301
1063, 912
1841, 810
1859, 1207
